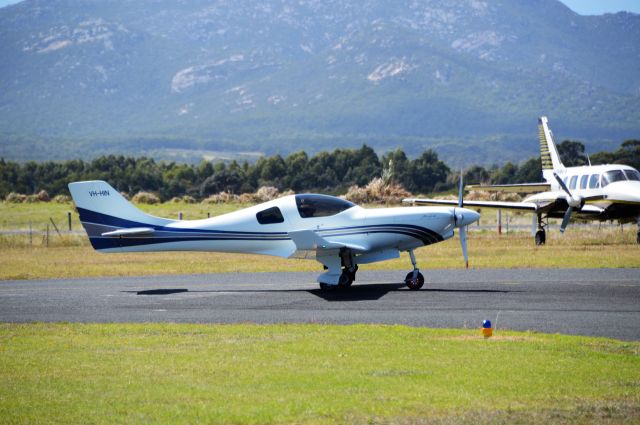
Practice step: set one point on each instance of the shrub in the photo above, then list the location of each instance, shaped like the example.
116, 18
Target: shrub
377, 191
15, 198
188, 199
145, 198
267, 193
220, 198
61, 199
43, 196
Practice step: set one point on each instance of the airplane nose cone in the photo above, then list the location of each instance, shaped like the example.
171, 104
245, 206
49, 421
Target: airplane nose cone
465, 217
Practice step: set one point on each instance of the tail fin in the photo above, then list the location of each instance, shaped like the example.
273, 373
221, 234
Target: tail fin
105, 213
548, 151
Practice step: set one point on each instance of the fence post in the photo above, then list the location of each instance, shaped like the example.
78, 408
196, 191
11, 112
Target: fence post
69, 219
180, 215
54, 226
499, 220
30, 235
46, 237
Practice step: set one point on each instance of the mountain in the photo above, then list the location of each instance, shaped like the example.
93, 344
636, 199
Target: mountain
191, 78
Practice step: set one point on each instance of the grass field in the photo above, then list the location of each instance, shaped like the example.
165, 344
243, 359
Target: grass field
150, 373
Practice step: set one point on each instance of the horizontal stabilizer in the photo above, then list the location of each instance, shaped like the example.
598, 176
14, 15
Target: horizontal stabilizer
133, 231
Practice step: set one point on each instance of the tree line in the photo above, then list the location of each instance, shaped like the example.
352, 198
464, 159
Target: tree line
327, 172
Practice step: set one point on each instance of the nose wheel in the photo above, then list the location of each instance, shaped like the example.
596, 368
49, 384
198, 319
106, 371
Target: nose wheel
414, 279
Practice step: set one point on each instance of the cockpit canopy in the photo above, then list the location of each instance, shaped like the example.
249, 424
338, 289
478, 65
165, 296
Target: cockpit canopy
619, 175
595, 181
312, 205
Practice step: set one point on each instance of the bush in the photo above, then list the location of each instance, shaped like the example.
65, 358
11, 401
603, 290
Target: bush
15, 198
188, 199
267, 193
61, 199
377, 191
43, 196
220, 198
145, 198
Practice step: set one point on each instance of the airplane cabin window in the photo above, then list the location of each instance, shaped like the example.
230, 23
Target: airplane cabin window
594, 181
270, 216
612, 176
572, 182
583, 181
632, 175
321, 205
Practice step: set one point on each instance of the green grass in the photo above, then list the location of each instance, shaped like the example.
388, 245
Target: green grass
152, 373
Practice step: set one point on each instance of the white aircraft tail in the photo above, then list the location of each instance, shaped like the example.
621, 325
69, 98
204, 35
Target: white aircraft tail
548, 151
105, 213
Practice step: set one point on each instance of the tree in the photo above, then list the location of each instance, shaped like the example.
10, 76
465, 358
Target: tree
572, 153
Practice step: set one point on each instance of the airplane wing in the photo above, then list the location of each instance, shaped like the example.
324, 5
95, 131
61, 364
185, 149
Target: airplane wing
517, 188
307, 240
521, 206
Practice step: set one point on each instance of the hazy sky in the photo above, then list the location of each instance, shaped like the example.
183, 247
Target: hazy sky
583, 7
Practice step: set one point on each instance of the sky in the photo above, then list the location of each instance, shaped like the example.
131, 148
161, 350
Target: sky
583, 7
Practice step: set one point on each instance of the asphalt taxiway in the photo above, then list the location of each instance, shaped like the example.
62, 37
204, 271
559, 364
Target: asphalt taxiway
598, 302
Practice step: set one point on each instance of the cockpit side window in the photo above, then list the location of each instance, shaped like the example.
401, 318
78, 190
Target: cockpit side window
594, 181
270, 216
583, 181
321, 205
632, 175
612, 176
572, 182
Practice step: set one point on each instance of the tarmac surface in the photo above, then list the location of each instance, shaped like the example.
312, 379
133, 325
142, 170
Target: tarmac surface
597, 302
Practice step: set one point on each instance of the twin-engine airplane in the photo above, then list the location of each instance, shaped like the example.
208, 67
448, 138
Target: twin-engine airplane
599, 192
333, 231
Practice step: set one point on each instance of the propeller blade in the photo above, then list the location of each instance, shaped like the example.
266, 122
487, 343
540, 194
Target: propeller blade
463, 243
562, 185
460, 191
565, 219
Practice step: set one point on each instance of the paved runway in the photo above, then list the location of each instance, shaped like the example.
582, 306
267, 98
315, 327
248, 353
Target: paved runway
580, 302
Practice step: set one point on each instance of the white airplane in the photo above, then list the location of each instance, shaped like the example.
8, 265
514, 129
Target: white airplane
333, 231
598, 192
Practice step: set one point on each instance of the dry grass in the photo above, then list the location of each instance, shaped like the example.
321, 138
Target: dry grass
71, 256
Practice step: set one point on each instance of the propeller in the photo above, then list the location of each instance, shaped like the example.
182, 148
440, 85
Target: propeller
574, 202
462, 227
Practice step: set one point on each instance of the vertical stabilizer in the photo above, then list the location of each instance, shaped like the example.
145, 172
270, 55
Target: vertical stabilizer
548, 152
106, 215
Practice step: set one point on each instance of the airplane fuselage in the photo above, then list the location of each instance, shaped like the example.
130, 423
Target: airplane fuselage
612, 192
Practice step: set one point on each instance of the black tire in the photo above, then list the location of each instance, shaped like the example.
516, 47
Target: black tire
638, 237
326, 287
414, 284
541, 237
346, 279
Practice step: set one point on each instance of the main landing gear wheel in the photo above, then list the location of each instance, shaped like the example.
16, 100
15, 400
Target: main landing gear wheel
638, 237
414, 283
541, 237
346, 279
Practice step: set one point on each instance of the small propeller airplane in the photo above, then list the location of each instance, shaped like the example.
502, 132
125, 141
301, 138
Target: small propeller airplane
335, 232
598, 192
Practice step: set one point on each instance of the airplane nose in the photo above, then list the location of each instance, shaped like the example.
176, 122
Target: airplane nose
465, 217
